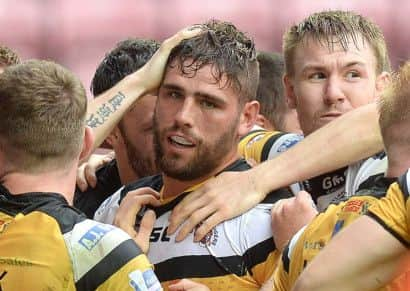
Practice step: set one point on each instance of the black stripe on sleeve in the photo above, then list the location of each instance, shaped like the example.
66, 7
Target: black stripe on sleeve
259, 253
268, 145
387, 228
285, 259
403, 186
109, 265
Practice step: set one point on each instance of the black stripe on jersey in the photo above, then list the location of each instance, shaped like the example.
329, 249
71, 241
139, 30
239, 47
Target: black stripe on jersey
268, 145
253, 132
199, 267
109, 265
387, 228
403, 186
207, 266
53, 204
259, 253
285, 259
276, 195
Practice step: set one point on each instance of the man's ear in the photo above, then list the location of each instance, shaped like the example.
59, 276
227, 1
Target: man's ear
248, 117
88, 142
382, 81
290, 92
113, 138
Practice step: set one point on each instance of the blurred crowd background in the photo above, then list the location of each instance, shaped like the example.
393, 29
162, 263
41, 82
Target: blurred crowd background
77, 33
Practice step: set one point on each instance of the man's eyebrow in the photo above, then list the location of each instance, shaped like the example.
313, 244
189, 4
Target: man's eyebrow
317, 67
210, 97
172, 87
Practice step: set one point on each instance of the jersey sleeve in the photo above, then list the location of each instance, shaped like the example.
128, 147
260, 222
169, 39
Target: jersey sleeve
391, 212
106, 258
262, 145
281, 274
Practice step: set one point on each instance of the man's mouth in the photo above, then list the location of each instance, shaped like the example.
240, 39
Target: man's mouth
180, 141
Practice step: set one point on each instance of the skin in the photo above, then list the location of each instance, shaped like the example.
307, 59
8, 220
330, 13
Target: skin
188, 118
132, 141
326, 84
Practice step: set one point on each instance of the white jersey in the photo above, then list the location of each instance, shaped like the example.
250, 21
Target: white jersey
238, 254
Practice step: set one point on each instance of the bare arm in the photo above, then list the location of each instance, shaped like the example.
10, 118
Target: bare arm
351, 137
106, 111
364, 256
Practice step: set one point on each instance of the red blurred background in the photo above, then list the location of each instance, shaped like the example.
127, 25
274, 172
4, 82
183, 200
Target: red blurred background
77, 33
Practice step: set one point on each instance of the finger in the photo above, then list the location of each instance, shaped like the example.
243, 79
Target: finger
143, 191
195, 219
305, 198
129, 207
185, 209
207, 225
81, 181
183, 284
145, 229
90, 175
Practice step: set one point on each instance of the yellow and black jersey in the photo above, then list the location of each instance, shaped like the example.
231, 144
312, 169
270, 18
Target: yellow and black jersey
260, 145
238, 254
393, 211
307, 243
47, 245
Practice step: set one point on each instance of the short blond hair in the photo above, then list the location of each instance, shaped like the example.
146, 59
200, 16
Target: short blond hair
42, 115
345, 26
8, 57
394, 106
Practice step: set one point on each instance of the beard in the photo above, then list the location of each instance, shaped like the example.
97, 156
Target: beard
141, 162
207, 157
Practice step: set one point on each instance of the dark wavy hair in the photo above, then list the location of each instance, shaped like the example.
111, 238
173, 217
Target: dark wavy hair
230, 53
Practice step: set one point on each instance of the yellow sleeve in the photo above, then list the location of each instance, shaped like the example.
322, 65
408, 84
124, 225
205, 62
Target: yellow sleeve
264, 271
261, 145
281, 275
391, 212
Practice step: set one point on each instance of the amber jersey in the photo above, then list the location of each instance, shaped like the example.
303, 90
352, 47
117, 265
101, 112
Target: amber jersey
393, 211
238, 254
307, 243
47, 245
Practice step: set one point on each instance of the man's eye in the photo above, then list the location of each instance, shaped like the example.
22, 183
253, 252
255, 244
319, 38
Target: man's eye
174, 94
207, 104
352, 75
317, 76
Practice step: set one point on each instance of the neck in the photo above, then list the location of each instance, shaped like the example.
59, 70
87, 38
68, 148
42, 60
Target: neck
62, 182
397, 168
126, 172
173, 187
398, 159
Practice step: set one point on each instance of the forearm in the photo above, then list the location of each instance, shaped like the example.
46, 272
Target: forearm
353, 136
105, 111
353, 261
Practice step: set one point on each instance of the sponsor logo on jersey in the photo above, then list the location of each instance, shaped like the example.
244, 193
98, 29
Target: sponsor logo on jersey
211, 238
91, 238
333, 181
254, 139
151, 281
315, 245
356, 206
338, 226
289, 142
146, 281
